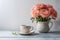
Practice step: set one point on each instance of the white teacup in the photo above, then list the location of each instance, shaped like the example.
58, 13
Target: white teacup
26, 29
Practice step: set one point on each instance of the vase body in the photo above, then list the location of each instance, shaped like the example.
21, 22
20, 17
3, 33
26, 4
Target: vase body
43, 27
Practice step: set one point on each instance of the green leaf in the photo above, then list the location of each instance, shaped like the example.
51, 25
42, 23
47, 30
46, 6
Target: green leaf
32, 19
39, 18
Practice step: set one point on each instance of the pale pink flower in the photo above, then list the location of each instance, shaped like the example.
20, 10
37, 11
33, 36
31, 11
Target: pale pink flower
53, 13
44, 13
34, 13
39, 6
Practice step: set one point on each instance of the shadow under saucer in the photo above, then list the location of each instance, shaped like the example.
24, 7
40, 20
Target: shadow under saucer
32, 34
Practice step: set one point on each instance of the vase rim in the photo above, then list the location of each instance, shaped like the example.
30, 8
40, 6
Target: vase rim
43, 22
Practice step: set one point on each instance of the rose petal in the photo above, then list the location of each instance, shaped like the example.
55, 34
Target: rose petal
49, 6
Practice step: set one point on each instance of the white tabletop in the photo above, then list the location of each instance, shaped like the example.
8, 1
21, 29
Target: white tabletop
8, 34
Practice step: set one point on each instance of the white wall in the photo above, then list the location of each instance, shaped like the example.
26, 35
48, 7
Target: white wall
14, 13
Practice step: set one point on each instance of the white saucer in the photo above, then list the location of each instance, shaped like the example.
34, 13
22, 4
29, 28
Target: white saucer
26, 33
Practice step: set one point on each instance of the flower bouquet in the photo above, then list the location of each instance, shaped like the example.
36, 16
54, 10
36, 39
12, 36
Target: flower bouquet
42, 14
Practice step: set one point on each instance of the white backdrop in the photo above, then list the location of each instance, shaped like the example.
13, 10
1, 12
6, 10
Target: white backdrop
14, 13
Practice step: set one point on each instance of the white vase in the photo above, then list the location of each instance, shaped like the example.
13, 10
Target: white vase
44, 26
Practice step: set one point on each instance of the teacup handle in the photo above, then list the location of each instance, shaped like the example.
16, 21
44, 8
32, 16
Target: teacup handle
50, 26
31, 30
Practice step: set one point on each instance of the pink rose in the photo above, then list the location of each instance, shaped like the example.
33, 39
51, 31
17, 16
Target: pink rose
44, 13
39, 6
34, 13
53, 12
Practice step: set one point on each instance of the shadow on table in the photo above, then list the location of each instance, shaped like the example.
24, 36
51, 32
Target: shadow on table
34, 34
54, 32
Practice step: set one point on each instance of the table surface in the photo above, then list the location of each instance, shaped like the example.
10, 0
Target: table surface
8, 34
